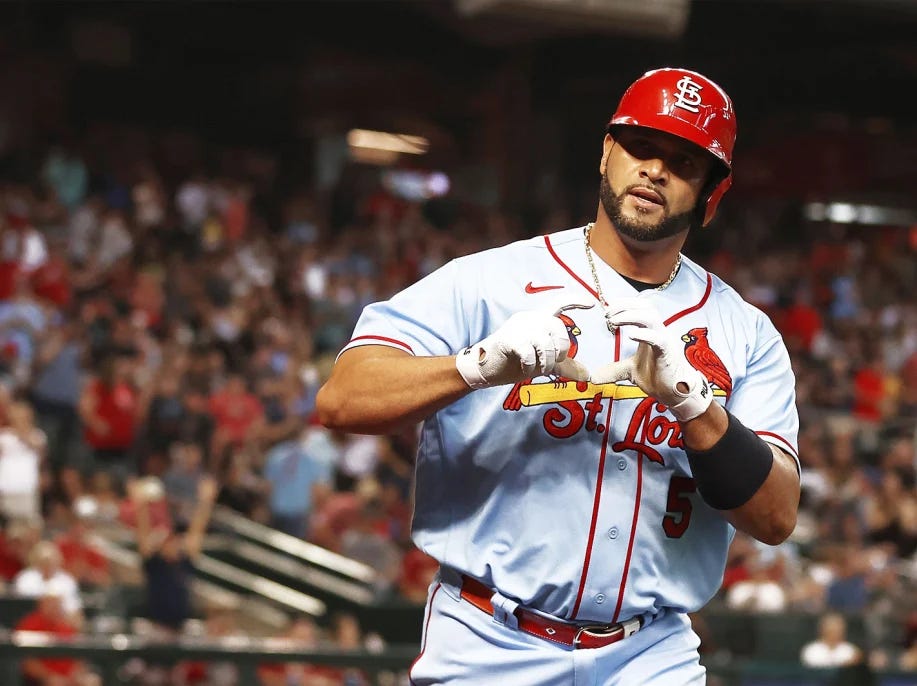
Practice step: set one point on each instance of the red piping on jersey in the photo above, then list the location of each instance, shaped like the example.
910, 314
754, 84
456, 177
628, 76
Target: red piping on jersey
383, 338
693, 308
674, 317
633, 529
547, 242
426, 629
781, 439
598, 491
637, 497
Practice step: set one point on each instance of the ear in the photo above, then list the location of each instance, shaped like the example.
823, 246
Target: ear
607, 144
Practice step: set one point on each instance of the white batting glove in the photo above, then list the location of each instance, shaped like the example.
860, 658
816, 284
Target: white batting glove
659, 366
528, 344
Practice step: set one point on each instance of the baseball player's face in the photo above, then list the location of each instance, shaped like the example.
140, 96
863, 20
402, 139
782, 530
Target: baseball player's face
651, 182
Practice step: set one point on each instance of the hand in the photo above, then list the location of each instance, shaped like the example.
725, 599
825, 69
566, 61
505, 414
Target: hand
208, 489
134, 488
528, 344
659, 366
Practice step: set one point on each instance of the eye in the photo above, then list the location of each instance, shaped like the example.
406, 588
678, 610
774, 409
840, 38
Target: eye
639, 147
685, 165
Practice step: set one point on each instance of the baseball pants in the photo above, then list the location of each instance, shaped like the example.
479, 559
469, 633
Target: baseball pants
463, 645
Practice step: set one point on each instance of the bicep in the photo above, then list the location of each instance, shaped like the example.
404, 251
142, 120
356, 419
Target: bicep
351, 359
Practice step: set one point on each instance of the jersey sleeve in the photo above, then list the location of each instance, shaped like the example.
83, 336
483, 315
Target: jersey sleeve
427, 318
764, 400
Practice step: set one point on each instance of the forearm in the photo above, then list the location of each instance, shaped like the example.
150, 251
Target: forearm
375, 390
144, 529
769, 515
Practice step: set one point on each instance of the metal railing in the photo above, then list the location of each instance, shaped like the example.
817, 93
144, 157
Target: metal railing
308, 552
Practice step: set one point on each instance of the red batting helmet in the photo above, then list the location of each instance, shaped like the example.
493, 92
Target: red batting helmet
688, 105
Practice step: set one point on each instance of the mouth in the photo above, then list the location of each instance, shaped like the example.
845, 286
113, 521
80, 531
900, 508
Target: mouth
646, 197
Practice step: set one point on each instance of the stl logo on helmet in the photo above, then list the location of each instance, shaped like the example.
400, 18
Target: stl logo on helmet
688, 95
650, 423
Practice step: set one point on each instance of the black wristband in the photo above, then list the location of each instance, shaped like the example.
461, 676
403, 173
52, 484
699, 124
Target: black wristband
730, 472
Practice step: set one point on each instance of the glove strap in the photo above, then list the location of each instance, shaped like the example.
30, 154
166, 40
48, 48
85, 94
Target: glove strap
696, 400
470, 364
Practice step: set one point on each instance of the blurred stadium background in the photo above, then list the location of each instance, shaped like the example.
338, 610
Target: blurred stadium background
196, 200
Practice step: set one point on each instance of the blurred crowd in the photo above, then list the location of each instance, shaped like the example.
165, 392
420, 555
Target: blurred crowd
168, 313
843, 298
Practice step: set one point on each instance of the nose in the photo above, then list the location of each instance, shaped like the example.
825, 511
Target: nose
654, 170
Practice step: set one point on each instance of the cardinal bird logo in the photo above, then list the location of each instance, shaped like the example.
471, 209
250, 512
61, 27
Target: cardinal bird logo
513, 400
705, 360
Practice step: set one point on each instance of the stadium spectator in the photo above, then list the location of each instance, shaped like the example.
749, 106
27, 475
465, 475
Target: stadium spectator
17, 539
55, 392
168, 555
110, 410
82, 559
22, 450
831, 648
50, 616
181, 481
238, 415
763, 590
293, 473
46, 570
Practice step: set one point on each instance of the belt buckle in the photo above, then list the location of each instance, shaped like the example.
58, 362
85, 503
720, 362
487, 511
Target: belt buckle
596, 630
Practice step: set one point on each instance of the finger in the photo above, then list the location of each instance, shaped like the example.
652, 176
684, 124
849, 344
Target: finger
538, 345
654, 337
621, 304
527, 359
559, 307
549, 351
572, 369
641, 318
616, 371
559, 338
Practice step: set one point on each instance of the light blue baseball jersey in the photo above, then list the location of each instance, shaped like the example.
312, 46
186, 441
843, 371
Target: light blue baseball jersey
571, 498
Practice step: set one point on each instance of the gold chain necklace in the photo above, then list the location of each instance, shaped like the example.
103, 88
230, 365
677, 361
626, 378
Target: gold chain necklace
595, 274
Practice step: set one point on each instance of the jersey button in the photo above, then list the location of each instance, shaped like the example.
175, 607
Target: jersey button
599, 598
622, 464
613, 532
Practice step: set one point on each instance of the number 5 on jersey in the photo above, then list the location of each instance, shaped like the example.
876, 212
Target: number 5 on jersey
678, 506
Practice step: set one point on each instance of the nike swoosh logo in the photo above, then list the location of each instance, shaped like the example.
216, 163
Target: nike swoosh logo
529, 288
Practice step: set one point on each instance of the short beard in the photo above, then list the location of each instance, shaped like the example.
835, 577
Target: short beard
614, 207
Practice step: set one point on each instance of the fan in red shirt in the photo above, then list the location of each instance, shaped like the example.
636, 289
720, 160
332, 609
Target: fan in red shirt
81, 558
48, 617
109, 407
237, 413
872, 400
52, 280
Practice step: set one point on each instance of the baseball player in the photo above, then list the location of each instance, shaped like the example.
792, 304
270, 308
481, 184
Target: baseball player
599, 414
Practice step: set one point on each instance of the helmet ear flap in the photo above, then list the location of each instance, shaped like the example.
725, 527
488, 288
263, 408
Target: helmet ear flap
714, 192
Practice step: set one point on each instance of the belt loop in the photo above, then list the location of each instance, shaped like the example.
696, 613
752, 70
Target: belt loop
504, 610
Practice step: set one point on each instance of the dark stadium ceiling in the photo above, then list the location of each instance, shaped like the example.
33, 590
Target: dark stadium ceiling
852, 56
